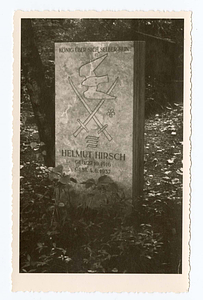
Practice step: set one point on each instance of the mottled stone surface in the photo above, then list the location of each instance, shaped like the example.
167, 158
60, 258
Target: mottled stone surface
95, 77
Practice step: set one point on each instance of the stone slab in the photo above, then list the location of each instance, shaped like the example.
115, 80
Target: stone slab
94, 110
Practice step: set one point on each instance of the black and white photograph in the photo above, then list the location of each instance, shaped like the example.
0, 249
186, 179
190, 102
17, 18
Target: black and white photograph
101, 165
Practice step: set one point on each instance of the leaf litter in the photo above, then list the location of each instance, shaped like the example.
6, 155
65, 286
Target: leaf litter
149, 240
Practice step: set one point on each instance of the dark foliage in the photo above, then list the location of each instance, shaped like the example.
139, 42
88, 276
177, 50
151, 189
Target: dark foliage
117, 238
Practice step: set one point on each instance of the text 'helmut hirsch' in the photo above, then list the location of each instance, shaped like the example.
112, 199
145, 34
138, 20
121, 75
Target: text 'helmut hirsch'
91, 154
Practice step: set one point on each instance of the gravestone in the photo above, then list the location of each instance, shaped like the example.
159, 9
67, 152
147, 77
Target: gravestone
99, 111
